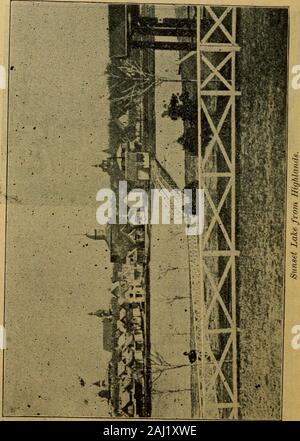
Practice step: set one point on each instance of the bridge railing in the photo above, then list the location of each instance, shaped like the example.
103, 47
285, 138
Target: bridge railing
217, 297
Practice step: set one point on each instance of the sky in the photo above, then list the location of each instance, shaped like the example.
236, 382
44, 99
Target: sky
58, 113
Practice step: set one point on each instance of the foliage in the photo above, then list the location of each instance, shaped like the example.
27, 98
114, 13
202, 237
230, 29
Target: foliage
182, 107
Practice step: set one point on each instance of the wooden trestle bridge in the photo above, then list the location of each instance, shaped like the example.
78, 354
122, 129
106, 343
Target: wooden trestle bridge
212, 255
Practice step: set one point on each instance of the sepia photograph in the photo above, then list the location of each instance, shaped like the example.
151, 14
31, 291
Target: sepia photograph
146, 182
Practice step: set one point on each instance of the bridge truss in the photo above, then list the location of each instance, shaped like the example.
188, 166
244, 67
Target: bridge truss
213, 254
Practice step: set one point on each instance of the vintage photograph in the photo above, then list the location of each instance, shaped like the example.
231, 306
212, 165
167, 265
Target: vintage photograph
155, 118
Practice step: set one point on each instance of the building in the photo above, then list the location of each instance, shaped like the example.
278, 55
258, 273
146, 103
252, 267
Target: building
120, 21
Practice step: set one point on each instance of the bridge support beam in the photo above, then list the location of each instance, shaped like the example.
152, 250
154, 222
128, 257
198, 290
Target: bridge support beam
214, 295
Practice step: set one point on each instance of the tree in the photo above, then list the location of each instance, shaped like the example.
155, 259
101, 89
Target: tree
159, 365
183, 107
129, 81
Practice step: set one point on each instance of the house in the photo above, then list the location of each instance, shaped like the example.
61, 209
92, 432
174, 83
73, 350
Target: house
121, 18
137, 166
133, 162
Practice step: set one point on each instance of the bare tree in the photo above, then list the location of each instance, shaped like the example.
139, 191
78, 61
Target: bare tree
170, 391
129, 82
159, 365
170, 300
